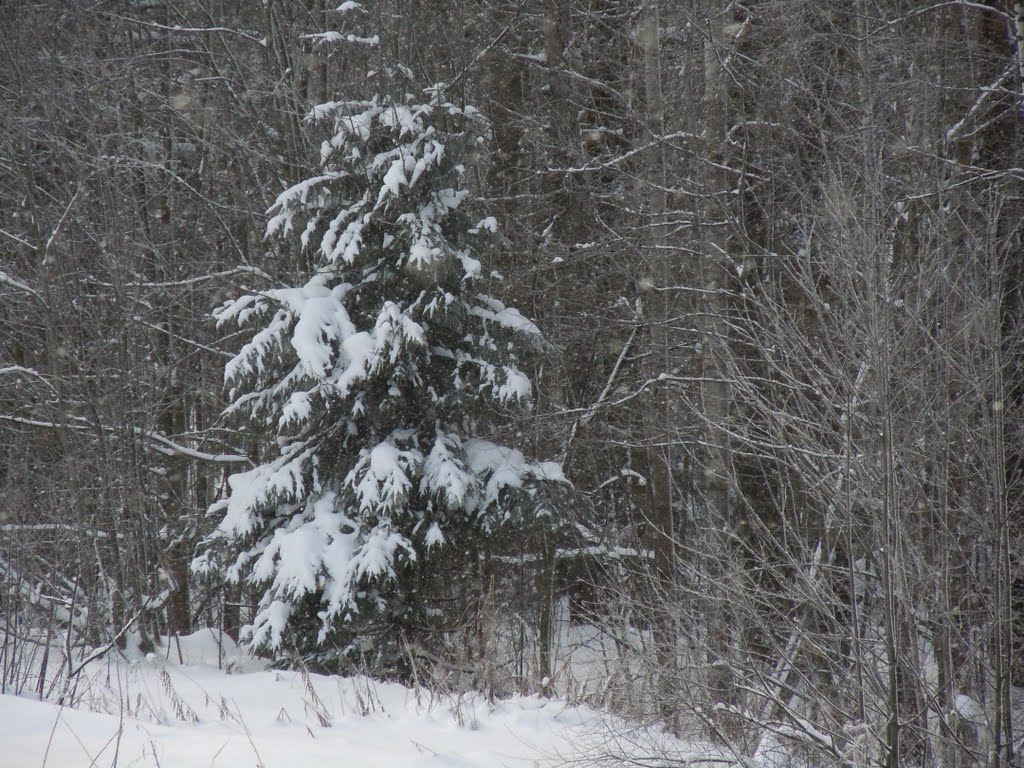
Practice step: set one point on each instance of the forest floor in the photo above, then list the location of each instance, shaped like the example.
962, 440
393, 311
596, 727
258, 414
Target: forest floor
197, 704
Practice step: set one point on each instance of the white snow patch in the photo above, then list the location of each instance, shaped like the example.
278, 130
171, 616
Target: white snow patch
969, 709
507, 317
158, 713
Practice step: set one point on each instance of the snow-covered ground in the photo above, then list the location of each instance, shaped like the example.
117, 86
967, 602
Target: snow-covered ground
200, 702
159, 712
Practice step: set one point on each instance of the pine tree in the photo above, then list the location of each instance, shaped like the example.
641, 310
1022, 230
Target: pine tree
376, 379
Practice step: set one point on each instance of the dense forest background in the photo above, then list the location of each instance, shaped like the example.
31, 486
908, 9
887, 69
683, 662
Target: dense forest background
774, 248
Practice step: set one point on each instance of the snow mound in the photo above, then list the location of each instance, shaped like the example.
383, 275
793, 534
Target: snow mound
152, 711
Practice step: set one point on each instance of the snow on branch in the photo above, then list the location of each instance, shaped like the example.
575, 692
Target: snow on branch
6, 279
336, 38
191, 30
170, 448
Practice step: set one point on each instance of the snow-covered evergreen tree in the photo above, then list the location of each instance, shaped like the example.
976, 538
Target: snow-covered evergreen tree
376, 379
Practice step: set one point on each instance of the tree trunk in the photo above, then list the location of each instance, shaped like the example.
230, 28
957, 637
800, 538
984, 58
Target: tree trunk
660, 260
715, 221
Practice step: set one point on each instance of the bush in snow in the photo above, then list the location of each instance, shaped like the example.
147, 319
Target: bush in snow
377, 378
